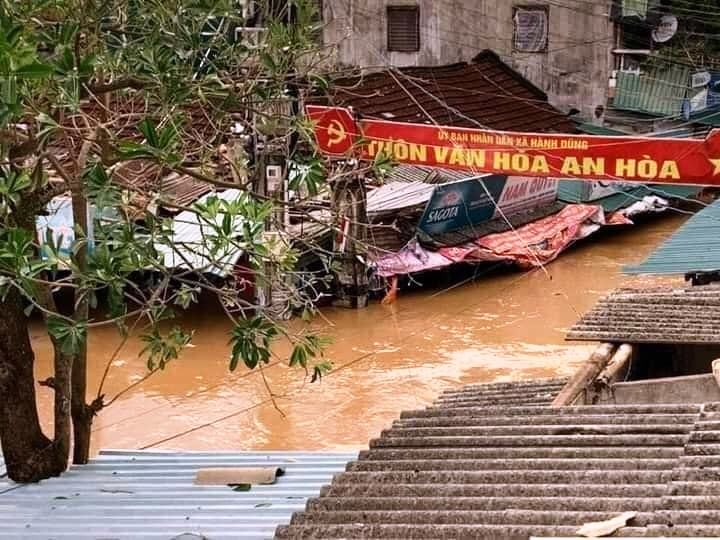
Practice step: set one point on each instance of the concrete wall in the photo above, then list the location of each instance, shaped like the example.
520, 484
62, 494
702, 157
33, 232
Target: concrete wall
691, 389
574, 71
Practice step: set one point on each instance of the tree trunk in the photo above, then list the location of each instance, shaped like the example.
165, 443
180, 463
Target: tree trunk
82, 414
29, 455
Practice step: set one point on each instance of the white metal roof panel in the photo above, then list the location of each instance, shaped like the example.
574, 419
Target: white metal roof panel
124, 495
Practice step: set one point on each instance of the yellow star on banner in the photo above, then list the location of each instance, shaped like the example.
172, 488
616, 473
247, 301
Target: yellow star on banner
716, 163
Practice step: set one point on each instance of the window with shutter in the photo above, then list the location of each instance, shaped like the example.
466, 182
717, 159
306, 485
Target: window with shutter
403, 28
530, 29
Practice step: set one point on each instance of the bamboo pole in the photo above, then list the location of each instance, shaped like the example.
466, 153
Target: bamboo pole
619, 360
586, 374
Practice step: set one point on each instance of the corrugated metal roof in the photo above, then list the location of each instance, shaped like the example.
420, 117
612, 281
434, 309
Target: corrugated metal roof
398, 195
658, 315
660, 91
410, 185
570, 191
592, 129
495, 461
485, 91
694, 247
141, 495
428, 175
189, 240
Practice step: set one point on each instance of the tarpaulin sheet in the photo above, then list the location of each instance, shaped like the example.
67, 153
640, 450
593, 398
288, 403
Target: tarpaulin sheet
529, 246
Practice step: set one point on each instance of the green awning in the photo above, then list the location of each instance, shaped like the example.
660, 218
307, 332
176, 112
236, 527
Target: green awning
695, 247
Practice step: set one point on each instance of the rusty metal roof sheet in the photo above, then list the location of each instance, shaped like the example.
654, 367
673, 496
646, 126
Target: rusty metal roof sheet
485, 92
657, 315
495, 461
124, 495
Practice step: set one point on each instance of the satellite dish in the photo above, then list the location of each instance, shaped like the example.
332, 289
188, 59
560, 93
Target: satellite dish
666, 29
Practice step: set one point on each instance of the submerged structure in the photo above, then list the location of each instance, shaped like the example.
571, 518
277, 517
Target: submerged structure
628, 446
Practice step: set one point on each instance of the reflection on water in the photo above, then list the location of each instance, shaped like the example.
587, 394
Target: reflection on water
387, 359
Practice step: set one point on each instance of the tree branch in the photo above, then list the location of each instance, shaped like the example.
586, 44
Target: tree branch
125, 83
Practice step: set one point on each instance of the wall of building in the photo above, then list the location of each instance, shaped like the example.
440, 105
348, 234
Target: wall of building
574, 70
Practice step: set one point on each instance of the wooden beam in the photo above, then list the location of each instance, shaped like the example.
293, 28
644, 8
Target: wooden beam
585, 375
617, 363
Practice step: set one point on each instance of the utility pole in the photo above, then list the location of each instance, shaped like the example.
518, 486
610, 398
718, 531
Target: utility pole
350, 218
272, 148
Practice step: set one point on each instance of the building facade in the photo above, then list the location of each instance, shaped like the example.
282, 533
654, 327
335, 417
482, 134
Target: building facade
562, 46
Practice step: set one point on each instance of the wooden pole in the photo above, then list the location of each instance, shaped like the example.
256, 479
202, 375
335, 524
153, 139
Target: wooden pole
618, 362
585, 375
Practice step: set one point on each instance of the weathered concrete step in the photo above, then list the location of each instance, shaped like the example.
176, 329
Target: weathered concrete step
572, 464
705, 437
512, 384
545, 394
539, 429
500, 393
683, 531
540, 440
505, 387
582, 503
553, 411
503, 477
688, 517
694, 488
495, 490
493, 402
528, 452
473, 421
460, 517
691, 502
702, 449
696, 475
437, 532
706, 462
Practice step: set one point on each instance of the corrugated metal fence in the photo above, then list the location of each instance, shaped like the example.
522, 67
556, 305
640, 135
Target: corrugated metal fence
131, 495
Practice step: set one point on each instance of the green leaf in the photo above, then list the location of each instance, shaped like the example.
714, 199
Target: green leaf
36, 70
69, 335
240, 487
147, 128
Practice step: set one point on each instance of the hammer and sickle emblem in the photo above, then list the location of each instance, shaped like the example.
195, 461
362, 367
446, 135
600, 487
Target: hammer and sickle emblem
336, 133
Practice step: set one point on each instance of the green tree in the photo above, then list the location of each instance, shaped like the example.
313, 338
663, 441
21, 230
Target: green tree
95, 95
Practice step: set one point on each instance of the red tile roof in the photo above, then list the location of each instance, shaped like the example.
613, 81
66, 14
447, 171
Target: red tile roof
485, 92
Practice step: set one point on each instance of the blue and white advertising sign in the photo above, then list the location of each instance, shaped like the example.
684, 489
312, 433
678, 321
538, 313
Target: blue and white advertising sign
469, 202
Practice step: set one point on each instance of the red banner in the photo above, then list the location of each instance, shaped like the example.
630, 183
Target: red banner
586, 157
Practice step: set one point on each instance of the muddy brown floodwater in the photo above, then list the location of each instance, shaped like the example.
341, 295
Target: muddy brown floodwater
387, 359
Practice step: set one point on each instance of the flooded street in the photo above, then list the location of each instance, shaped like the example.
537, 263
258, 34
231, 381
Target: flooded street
387, 359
